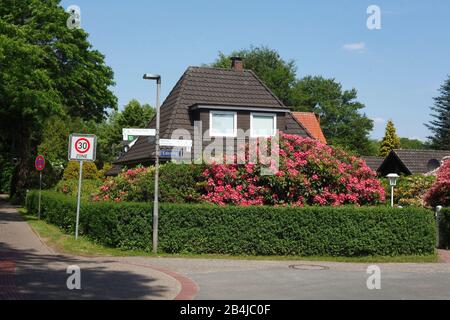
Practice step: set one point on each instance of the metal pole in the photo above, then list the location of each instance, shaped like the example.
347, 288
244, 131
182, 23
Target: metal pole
78, 199
40, 190
438, 226
156, 199
392, 196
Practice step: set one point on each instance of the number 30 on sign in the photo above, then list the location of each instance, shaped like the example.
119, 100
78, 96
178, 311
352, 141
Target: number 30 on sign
82, 147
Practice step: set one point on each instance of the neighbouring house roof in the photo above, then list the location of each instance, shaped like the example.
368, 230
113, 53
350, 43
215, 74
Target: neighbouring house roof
412, 161
373, 162
209, 87
310, 121
114, 171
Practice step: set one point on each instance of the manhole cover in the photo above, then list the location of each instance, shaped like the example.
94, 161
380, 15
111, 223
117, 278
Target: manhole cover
307, 267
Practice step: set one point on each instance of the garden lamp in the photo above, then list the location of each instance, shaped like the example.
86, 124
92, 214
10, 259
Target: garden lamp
392, 177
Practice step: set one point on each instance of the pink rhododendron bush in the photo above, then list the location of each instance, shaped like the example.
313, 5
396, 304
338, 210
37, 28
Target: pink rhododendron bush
439, 193
309, 173
178, 183
131, 185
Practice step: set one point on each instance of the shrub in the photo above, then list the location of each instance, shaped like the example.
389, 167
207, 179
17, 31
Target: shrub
102, 172
310, 173
444, 228
410, 190
89, 187
72, 170
439, 193
177, 183
253, 230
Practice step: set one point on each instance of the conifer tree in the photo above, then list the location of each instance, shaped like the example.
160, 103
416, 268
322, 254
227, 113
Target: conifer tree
440, 126
390, 141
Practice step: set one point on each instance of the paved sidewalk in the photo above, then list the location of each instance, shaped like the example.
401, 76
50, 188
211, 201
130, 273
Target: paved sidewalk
30, 270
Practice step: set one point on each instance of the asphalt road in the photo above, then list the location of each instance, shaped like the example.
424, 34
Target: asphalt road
294, 280
31, 270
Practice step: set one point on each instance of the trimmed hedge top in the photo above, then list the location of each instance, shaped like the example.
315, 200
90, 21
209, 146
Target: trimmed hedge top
255, 230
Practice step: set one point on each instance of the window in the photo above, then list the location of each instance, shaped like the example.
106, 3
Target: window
222, 124
433, 164
263, 125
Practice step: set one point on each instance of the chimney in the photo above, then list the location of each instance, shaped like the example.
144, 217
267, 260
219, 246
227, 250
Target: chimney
237, 64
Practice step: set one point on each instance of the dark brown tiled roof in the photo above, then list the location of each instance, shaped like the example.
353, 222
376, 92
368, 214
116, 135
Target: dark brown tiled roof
209, 86
114, 171
417, 160
373, 162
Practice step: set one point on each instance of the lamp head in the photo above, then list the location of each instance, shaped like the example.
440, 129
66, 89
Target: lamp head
392, 177
150, 76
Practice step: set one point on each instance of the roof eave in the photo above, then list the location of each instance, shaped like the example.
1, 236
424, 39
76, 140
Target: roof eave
231, 106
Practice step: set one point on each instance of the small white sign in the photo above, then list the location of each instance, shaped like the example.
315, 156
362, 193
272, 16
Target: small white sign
82, 147
175, 143
138, 133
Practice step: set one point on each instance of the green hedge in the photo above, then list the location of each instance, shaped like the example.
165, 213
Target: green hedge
188, 228
444, 228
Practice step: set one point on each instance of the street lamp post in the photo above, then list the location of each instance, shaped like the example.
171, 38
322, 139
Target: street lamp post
156, 198
392, 177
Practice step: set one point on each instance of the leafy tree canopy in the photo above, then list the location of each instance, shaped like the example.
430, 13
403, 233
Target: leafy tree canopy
341, 118
340, 113
47, 69
109, 132
415, 144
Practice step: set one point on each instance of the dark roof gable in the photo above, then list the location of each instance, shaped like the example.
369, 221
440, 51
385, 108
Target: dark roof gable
415, 161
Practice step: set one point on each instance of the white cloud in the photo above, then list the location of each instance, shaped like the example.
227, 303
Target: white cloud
357, 46
379, 120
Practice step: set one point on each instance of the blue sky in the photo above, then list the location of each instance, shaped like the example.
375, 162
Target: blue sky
396, 70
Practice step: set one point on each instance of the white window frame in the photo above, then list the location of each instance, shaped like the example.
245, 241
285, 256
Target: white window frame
211, 129
274, 129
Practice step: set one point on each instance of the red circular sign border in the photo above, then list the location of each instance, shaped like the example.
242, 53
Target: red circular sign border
87, 141
40, 167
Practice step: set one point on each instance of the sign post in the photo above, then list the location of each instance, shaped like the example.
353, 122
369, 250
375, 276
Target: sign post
82, 147
130, 134
39, 163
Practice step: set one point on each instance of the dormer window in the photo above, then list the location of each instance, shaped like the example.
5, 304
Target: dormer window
263, 125
222, 124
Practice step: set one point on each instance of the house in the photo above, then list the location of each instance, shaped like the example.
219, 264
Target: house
311, 122
409, 162
216, 104
373, 162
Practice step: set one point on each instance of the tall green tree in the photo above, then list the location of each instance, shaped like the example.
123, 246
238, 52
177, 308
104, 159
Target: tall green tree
47, 69
440, 126
134, 115
279, 75
390, 140
55, 136
341, 118
406, 143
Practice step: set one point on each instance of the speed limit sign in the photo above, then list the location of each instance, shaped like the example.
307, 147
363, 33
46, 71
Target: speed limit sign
82, 147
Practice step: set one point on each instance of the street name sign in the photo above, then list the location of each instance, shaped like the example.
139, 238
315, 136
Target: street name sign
175, 143
131, 134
